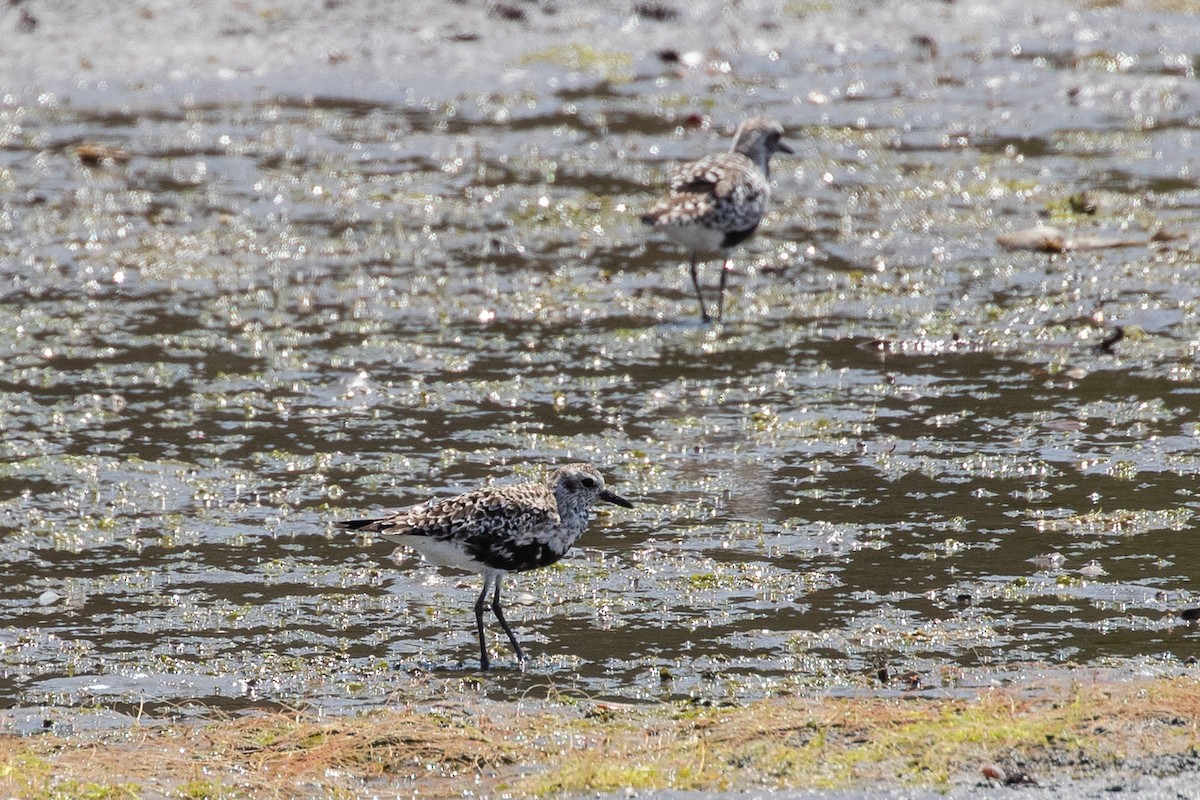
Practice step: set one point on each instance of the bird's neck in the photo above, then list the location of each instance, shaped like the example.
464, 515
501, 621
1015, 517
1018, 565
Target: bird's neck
574, 516
759, 155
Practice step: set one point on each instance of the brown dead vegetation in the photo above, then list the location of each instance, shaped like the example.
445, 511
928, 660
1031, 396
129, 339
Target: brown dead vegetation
565, 747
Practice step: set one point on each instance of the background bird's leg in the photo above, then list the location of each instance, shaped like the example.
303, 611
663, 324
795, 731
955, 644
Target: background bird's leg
504, 624
480, 604
699, 294
721, 289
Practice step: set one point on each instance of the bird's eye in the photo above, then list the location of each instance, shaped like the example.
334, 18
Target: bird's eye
588, 483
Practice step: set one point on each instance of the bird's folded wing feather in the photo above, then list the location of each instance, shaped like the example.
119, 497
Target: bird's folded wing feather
716, 176
476, 515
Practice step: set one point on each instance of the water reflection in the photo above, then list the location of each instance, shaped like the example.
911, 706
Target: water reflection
278, 310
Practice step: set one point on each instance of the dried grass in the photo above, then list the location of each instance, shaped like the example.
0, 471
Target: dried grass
568, 748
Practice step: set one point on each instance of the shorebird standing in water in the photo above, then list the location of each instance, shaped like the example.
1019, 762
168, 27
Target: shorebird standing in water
499, 530
716, 203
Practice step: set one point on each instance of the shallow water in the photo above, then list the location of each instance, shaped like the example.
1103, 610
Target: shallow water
311, 290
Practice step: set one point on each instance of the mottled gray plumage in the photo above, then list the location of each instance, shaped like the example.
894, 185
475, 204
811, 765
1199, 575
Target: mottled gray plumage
716, 203
499, 530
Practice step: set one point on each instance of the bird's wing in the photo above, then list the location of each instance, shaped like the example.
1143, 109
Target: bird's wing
476, 517
716, 176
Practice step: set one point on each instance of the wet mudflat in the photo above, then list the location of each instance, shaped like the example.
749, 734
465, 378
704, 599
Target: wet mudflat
311, 267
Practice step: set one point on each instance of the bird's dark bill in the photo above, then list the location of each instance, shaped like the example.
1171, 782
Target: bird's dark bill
784, 147
612, 498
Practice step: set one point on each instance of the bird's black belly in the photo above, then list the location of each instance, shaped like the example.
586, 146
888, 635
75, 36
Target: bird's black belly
512, 557
734, 238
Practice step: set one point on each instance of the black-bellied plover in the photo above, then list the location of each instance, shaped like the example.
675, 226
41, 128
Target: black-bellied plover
716, 203
497, 531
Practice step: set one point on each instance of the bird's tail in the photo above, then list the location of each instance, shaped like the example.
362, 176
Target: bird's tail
358, 524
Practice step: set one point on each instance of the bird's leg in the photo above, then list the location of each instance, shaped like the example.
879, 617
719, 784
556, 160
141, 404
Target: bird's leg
499, 612
699, 294
480, 605
721, 290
